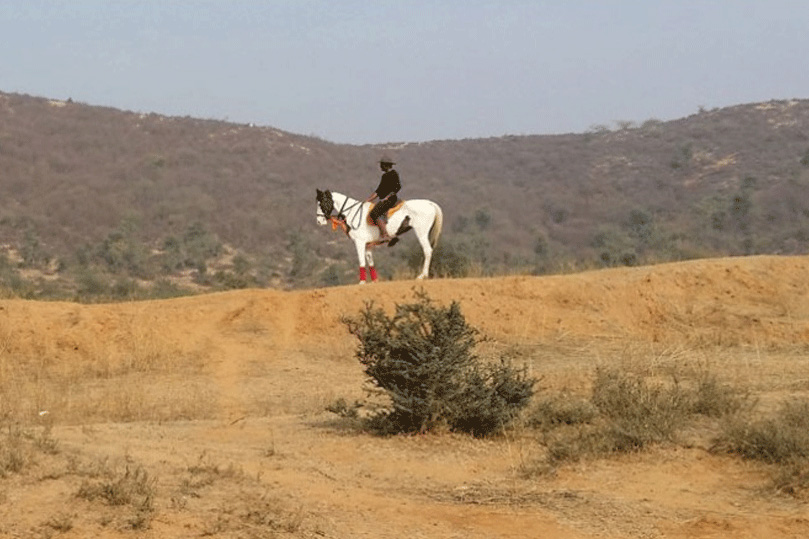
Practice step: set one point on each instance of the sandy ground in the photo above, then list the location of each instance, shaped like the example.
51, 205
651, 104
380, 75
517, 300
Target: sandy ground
220, 399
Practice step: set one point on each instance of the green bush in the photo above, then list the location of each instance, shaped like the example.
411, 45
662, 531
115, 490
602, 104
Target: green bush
422, 357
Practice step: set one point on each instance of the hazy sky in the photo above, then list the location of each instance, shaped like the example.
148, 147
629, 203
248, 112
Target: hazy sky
379, 71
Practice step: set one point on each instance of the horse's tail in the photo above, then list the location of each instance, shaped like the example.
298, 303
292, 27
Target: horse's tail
438, 223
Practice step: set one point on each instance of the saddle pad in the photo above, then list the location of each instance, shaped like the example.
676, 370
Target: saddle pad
391, 211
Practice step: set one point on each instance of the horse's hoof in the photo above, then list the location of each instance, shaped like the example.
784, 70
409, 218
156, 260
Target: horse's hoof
361, 282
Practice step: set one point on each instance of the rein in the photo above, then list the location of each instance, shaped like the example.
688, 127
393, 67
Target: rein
340, 220
356, 219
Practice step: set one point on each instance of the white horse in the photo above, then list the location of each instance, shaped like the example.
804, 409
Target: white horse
423, 216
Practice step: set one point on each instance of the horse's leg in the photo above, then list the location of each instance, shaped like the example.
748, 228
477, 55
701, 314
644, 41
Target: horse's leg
361, 254
424, 241
369, 258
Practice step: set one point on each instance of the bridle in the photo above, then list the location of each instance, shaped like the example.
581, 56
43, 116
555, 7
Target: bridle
340, 220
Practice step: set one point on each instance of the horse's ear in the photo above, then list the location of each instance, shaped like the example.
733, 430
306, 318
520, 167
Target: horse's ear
327, 192
319, 193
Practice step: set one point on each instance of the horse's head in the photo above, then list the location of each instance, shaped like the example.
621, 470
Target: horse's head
325, 205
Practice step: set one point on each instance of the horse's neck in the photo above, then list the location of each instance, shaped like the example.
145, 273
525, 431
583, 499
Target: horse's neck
340, 198
341, 201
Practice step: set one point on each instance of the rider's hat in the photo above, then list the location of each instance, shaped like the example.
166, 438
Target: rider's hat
386, 160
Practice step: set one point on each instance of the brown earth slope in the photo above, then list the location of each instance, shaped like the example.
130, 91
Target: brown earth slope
220, 400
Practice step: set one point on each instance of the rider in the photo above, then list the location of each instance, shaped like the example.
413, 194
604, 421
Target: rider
389, 185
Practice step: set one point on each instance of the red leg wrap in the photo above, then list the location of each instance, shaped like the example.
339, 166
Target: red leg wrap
362, 274
373, 273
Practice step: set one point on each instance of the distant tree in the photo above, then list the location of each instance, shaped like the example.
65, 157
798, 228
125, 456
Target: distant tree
625, 125
172, 258
302, 257
718, 219
461, 224
199, 245
682, 156
641, 225
541, 245
449, 260
241, 265
483, 218
91, 285
330, 276
749, 183
614, 247
228, 280
651, 123
559, 215
122, 251
740, 206
32, 252
124, 289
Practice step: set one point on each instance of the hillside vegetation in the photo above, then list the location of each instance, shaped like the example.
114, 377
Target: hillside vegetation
101, 203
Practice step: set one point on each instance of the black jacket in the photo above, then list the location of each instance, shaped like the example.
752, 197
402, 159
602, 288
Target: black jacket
388, 184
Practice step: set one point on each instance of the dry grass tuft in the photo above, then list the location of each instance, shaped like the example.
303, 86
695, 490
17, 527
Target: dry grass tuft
626, 412
780, 439
121, 380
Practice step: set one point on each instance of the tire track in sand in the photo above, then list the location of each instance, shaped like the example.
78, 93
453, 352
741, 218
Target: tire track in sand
255, 329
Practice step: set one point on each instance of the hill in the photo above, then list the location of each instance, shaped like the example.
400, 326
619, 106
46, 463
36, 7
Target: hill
97, 202
206, 415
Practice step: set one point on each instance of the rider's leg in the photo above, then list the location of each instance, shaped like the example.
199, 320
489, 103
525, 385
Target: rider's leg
378, 216
382, 228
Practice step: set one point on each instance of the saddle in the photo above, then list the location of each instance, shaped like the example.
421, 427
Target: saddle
390, 212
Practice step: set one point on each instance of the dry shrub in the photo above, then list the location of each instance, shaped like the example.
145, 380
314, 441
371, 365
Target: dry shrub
628, 412
792, 478
19, 447
562, 409
205, 473
61, 522
782, 438
712, 398
639, 413
15, 452
133, 486
250, 508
